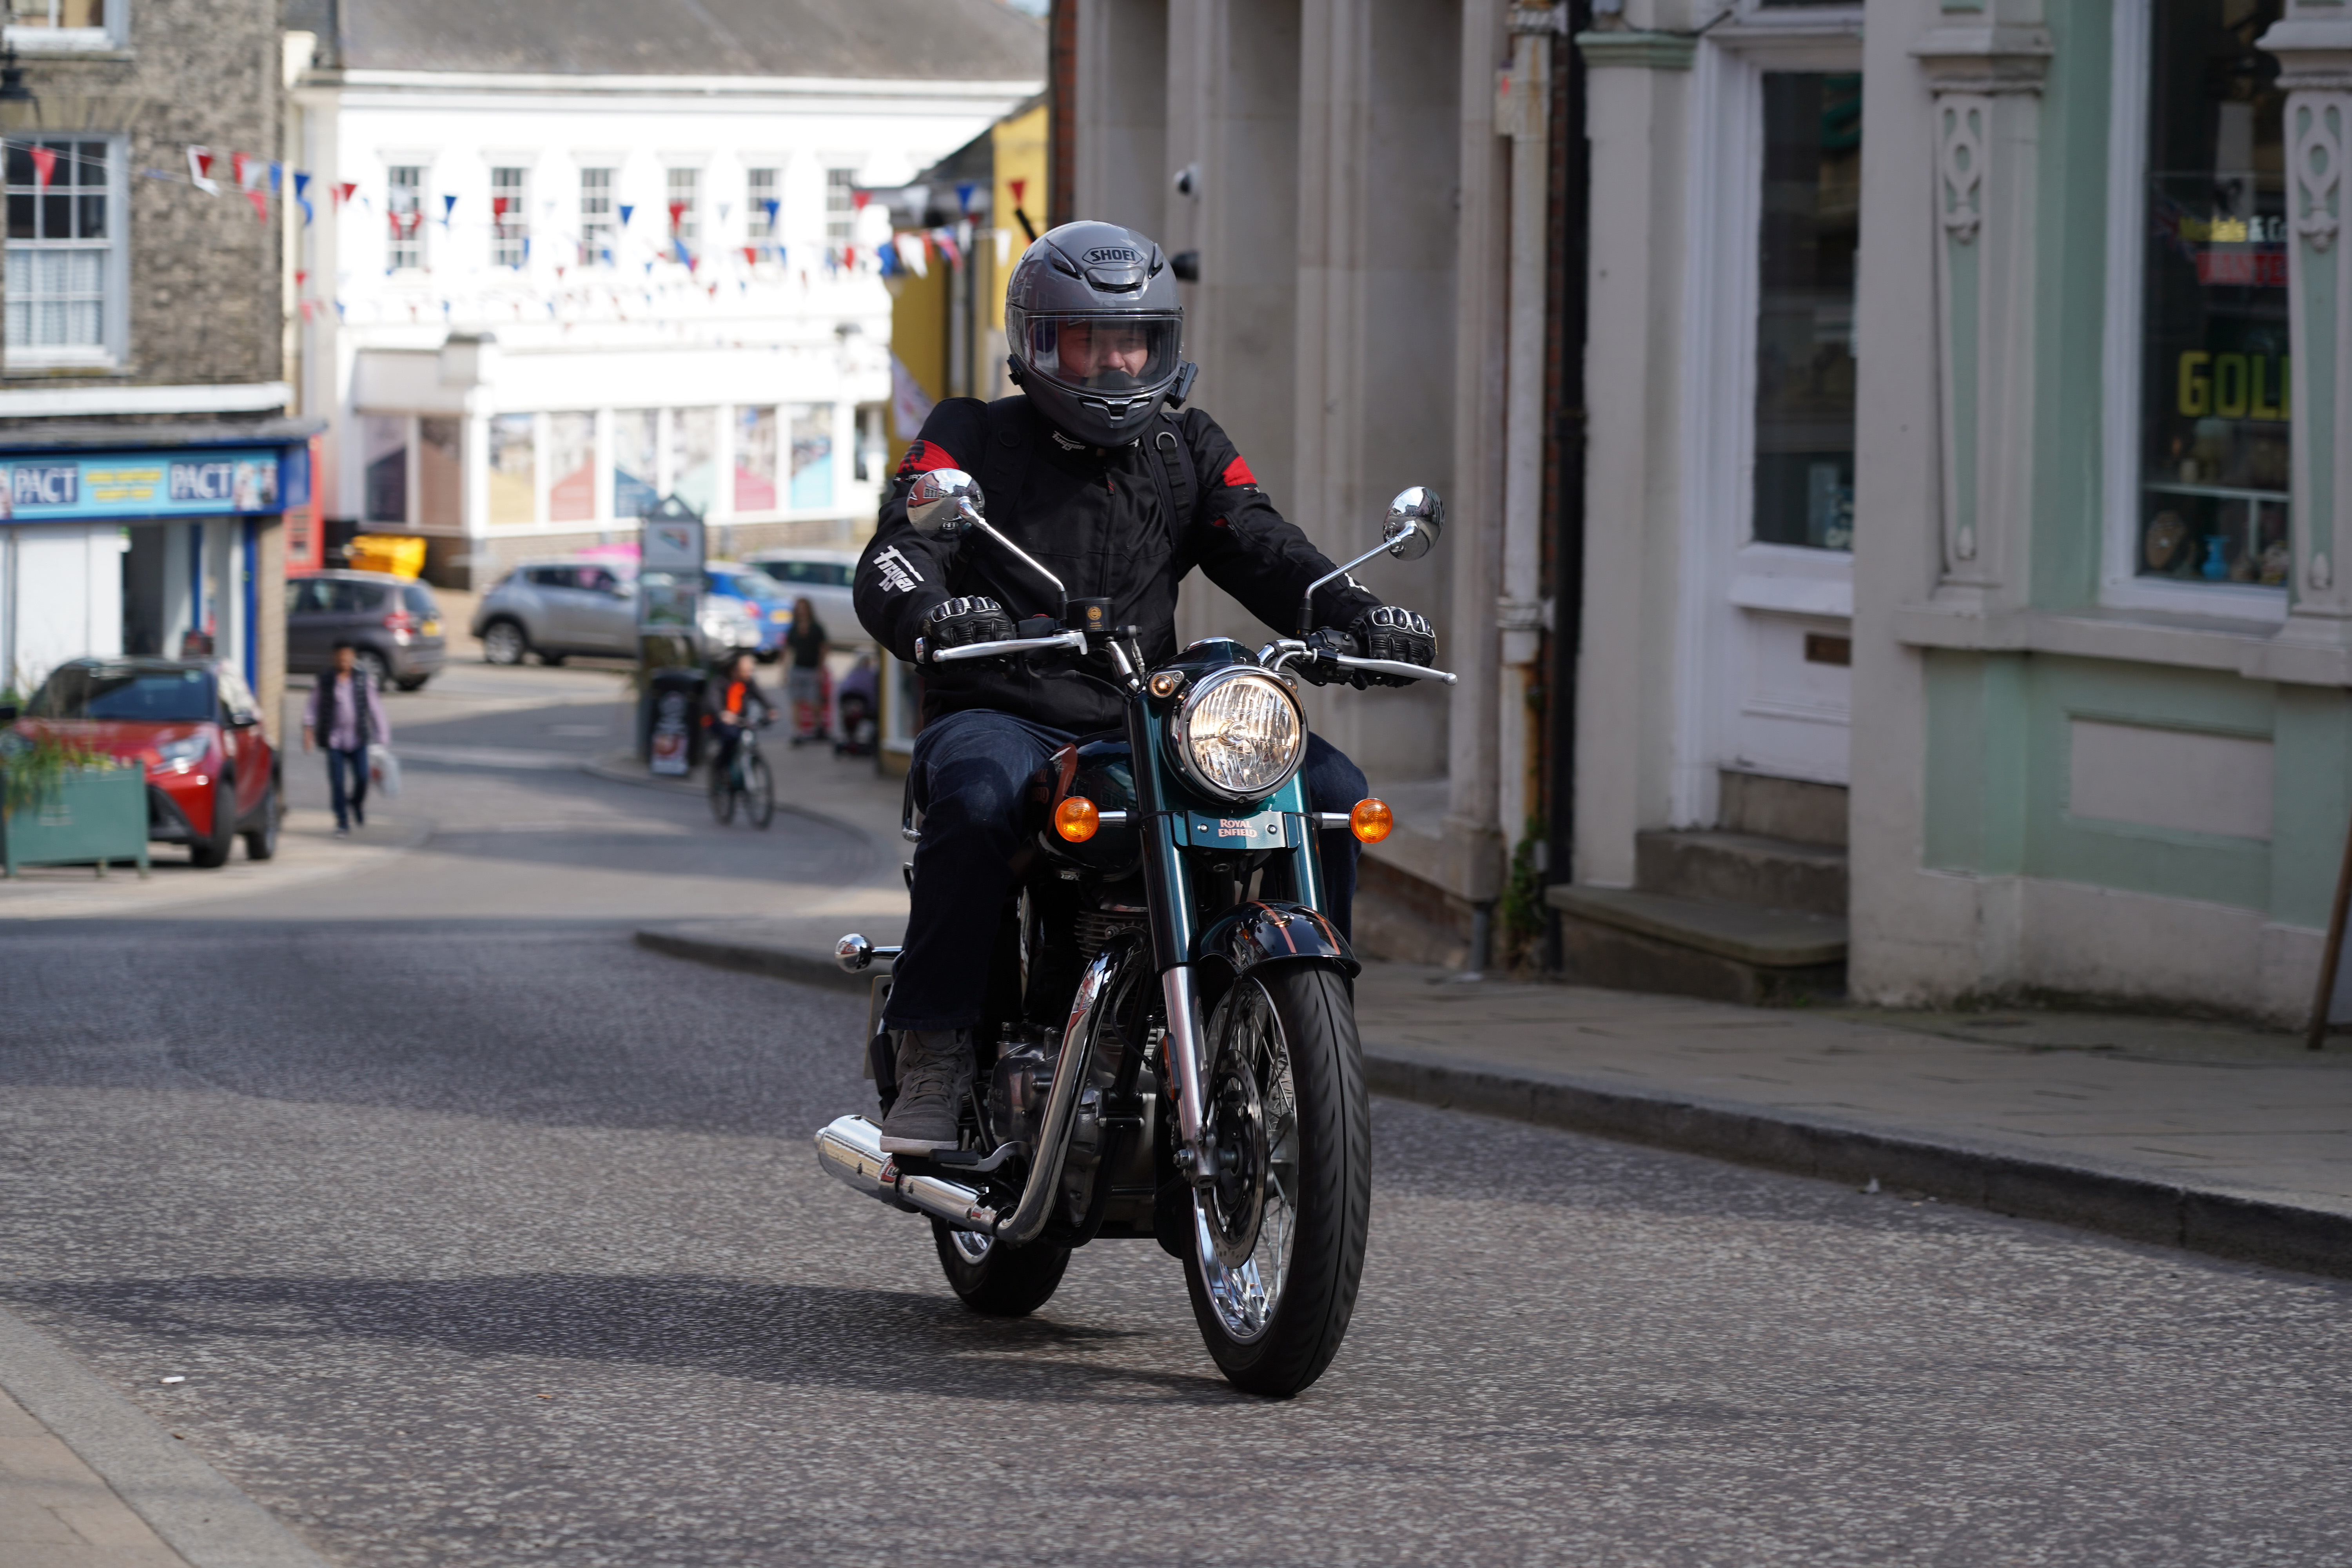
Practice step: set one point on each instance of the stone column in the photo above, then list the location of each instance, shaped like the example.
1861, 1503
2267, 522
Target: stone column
2314, 45
1985, 70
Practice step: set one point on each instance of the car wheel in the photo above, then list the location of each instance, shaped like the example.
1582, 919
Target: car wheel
413, 683
371, 664
210, 853
261, 838
503, 643
552, 660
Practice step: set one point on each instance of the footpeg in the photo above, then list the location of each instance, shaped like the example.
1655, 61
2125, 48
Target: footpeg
963, 1162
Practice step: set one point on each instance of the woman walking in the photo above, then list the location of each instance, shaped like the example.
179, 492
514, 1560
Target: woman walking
804, 680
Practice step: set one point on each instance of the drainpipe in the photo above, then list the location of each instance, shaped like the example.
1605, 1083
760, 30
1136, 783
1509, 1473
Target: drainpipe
1523, 111
1572, 285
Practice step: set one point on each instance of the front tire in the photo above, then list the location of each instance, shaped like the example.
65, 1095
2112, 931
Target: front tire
759, 791
210, 853
261, 838
503, 642
996, 1280
722, 795
1278, 1243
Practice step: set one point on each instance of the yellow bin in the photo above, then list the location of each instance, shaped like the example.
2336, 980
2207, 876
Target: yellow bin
402, 554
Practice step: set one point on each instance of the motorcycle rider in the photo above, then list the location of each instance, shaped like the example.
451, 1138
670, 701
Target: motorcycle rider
1119, 497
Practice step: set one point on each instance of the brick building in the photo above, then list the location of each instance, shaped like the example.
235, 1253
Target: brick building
144, 451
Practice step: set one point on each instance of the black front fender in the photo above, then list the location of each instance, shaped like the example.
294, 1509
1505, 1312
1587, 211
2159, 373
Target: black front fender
1252, 934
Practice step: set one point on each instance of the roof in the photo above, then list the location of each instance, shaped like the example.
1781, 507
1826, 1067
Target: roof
958, 40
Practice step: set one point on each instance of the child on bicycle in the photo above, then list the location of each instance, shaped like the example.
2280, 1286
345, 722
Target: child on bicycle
728, 702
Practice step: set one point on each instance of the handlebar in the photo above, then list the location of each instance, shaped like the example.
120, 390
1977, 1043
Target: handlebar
1392, 666
1074, 642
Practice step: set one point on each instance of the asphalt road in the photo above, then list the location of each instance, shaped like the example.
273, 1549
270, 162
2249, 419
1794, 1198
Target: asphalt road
483, 1237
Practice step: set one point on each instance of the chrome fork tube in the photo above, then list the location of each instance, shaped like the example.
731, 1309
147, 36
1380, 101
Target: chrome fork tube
1185, 1059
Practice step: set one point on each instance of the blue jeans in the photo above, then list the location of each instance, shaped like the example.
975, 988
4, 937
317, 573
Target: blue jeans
354, 803
969, 772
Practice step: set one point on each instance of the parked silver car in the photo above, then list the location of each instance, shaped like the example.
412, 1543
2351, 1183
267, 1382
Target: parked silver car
824, 577
554, 609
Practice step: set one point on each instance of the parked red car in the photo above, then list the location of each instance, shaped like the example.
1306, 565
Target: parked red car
211, 772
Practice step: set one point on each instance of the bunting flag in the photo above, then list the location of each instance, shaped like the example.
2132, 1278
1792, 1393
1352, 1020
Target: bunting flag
301, 196
1017, 187
499, 206
346, 191
275, 171
625, 209
45, 163
964, 189
912, 254
677, 211
1003, 246
750, 256
773, 207
260, 200
448, 205
947, 247
725, 209
200, 168
858, 198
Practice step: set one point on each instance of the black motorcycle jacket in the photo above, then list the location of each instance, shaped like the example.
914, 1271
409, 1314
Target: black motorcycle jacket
1095, 516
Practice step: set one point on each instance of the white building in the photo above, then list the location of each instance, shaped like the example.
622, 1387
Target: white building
557, 263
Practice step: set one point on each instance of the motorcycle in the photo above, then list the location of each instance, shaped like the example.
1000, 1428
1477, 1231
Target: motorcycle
1168, 1049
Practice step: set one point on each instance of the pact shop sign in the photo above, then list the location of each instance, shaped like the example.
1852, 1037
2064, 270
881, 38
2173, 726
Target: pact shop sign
196, 482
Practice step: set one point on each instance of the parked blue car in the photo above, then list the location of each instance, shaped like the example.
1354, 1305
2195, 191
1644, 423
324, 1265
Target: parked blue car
768, 599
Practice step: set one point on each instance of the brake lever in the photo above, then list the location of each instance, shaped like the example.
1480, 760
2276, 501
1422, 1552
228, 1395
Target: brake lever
1073, 642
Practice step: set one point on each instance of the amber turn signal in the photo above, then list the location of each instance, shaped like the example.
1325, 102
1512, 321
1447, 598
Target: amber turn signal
1371, 820
1076, 819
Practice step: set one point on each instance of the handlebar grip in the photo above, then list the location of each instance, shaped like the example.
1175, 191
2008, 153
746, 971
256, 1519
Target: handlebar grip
1394, 666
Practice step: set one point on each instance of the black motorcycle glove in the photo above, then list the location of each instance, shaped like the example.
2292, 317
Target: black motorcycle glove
957, 623
1396, 633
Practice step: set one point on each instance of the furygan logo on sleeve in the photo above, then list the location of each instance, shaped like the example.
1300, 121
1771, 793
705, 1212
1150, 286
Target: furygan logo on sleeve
897, 572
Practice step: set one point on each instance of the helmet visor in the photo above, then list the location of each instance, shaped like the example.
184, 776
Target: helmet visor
1107, 354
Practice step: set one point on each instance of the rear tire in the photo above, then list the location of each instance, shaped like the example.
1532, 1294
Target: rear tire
210, 853
759, 791
1276, 1315
722, 796
503, 642
996, 1280
261, 839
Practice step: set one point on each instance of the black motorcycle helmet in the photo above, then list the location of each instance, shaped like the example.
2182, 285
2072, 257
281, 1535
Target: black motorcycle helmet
1095, 331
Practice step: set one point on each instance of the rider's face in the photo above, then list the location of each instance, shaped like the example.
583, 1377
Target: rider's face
1089, 349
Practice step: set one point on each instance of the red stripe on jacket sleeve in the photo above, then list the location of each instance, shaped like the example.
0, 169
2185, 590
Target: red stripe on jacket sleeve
924, 456
1237, 472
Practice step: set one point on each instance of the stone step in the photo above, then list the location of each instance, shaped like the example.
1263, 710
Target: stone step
1742, 868
1636, 941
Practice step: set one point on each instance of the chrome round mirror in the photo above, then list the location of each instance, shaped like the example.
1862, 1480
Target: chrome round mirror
1415, 520
941, 501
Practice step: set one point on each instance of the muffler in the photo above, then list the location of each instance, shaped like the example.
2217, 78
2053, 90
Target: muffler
850, 1147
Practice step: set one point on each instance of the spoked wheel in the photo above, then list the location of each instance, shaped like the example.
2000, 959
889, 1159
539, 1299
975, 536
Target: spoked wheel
1278, 1238
994, 1280
722, 795
503, 643
759, 790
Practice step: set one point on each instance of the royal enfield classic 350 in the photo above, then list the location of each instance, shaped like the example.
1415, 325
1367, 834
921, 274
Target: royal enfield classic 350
1169, 1045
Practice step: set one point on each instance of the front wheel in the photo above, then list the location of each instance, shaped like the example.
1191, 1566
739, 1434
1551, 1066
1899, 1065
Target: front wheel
759, 790
996, 1280
503, 643
1278, 1237
261, 838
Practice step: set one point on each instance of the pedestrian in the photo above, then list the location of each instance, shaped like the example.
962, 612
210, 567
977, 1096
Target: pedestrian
804, 680
346, 713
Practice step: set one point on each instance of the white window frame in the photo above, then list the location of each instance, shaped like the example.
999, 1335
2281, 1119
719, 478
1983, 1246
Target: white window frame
607, 222
846, 219
757, 227
519, 219
424, 262
114, 347
114, 35
2120, 585
690, 227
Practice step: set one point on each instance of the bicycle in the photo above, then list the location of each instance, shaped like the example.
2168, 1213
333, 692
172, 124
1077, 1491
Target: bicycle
747, 777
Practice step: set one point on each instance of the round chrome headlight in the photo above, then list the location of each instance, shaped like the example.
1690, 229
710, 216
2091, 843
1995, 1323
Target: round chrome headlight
1239, 734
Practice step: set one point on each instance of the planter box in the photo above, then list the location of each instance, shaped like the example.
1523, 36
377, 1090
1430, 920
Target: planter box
92, 815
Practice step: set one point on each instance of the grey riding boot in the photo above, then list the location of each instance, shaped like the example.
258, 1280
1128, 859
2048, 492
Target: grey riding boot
935, 1070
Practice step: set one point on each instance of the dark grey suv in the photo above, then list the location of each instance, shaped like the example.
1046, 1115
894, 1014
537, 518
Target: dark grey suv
393, 624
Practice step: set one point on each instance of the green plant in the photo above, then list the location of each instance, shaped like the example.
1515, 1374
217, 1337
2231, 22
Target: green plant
31, 766
1523, 897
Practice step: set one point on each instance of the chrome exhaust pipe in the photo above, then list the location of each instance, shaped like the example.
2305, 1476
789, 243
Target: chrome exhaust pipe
850, 1147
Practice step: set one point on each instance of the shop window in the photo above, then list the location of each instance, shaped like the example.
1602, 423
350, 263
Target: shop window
509, 225
872, 447
404, 211
597, 218
693, 456
2214, 408
440, 474
1808, 234
755, 459
49, 24
812, 435
65, 281
514, 469
637, 461
571, 468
